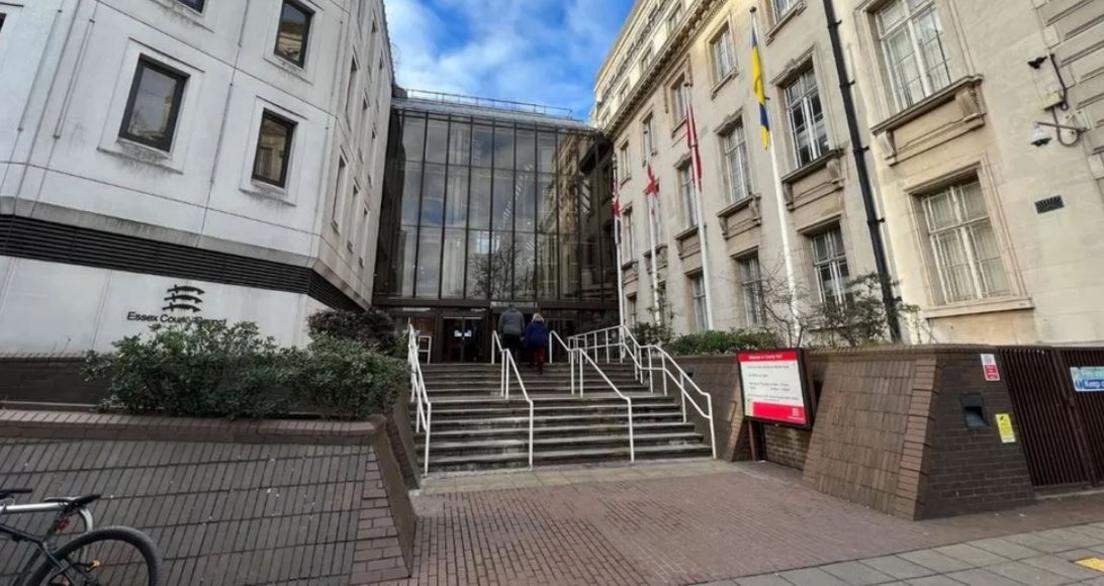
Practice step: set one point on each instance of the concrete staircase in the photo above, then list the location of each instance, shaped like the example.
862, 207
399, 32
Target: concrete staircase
474, 428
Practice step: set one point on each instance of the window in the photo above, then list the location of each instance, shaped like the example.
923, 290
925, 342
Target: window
339, 187
630, 311
912, 42
686, 195
720, 49
623, 163
678, 100
782, 8
965, 257
645, 59
350, 89
154, 105
196, 5
830, 266
294, 32
2, 18
737, 175
810, 137
751, 290
273, 149
352, 210
697, 295
674, 18
647, 135
628, 236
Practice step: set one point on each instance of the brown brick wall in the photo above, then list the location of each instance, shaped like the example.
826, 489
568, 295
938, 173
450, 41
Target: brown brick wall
400, 430
786, 445
971, 471
229, 503
719, 376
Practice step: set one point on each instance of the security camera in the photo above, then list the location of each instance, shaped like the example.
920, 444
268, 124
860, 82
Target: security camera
1040, 137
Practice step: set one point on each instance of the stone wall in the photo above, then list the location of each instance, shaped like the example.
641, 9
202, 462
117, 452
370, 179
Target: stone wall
719, 377
228, 503
47, 378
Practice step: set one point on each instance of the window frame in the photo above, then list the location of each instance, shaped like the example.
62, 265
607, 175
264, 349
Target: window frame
303, 53
741, 151
624, 162
816, 150
697, 301
647, 136
291, 126
780, 15
687, 198
907, 26
723, 41
678, 101
833, 262
145, 61
749, 274
339, 189
962, 230
351, 88
628, 234
196, 5
674, 17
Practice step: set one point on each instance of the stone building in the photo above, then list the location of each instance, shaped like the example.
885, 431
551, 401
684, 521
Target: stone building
178, 159
986, 217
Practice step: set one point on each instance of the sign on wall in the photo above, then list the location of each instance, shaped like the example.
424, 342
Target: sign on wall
773, 387
989, 366
1004, 426
1088, 379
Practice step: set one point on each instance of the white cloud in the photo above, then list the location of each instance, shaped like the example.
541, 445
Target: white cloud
543, 51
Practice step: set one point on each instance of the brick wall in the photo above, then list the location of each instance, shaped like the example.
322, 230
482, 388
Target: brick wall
228, 503
970, 470
786, 445
52, 379
719, 376
400, 431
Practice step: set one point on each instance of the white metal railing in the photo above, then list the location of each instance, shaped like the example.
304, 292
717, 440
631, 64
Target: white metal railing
580, 357
509, 365
423, 420
647, 361
553, 337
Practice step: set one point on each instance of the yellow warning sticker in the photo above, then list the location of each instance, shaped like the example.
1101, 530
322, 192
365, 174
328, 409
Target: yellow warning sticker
1092, 564
1004, 425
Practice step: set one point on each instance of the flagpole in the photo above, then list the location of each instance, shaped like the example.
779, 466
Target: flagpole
618, 221
780, 199
656, 309
703, 246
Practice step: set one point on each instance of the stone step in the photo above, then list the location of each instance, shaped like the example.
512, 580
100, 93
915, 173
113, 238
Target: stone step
476, 412
521, 446
512, 431
457, 400
560, 457
522, 420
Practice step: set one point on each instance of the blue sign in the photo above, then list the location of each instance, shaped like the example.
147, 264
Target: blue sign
1088, 379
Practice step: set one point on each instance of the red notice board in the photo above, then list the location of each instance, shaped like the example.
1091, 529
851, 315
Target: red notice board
774, 387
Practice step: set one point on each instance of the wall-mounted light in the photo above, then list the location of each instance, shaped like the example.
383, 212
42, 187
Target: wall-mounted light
1040, 137
1037, 62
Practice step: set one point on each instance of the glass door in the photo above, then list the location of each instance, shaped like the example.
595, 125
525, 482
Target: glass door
462, 339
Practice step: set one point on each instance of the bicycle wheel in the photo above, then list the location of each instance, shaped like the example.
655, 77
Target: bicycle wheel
113, 556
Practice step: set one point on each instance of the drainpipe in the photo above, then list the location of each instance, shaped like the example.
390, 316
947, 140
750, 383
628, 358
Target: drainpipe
873, 222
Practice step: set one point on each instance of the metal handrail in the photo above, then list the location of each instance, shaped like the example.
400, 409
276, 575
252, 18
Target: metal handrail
682, 381
553, 336
582, 388
496, 342
424, 418
508, 364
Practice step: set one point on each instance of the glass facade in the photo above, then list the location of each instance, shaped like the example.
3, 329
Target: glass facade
479, 212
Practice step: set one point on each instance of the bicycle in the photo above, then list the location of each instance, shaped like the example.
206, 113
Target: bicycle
112, 556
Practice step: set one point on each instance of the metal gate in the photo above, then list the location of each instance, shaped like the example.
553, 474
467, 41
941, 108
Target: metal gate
1062, 430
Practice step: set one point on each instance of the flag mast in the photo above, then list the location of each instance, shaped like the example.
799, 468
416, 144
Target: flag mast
617, 221
651, 193
759, 75
696, 180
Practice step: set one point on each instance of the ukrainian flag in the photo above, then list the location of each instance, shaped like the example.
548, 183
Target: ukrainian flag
760, 90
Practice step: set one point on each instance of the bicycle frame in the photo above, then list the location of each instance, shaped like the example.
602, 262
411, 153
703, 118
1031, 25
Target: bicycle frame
65, 511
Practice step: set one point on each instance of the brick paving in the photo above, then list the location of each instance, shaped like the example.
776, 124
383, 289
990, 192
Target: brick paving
748, 520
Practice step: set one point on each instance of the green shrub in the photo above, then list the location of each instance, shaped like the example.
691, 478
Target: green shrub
721, 342
649, 334
342, 379
372, 327
198, 369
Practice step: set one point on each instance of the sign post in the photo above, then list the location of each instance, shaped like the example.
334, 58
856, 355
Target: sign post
774, 388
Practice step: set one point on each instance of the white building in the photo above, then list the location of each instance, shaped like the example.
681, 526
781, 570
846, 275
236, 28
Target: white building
186, 158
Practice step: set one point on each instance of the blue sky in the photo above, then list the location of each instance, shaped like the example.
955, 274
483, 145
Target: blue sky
542, 51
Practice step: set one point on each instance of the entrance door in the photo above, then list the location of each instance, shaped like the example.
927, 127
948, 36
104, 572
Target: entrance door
462, 338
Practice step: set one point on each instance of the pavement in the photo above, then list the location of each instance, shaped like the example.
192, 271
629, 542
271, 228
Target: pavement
721, 523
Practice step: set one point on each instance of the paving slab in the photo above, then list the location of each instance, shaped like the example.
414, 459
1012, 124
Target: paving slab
1026, 574
1005, 548
1064, 568
897, 567
765, 580
812, 577
974, 556
857, 574
980, 577
934, 581
935, 561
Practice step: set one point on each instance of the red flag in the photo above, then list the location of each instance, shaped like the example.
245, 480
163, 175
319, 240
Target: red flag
692, 144
652, 188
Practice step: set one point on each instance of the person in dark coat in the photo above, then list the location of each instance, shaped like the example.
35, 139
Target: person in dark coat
536, 340
511, 325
